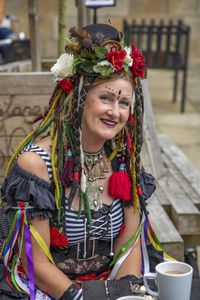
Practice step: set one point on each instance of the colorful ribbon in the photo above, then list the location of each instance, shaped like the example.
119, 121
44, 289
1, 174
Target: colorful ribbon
30, 264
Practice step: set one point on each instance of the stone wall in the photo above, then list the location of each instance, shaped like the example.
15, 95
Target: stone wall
186, 10
23, 96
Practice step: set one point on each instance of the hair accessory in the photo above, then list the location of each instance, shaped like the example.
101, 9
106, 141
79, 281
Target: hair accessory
119, 185
92, 53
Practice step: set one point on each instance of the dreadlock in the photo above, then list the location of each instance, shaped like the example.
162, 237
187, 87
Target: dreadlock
138, 141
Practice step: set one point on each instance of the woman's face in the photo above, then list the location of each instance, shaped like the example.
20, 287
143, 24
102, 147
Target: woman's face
106, 111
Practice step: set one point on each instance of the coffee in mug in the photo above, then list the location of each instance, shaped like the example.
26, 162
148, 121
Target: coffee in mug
174, 272
173, 279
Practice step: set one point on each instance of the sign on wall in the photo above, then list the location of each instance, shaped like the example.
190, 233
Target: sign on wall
100, 3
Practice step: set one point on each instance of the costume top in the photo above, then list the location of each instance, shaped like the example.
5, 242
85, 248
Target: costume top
38, 194
23, 189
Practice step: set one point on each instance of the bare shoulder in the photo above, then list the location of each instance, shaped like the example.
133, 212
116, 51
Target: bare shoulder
45, 144
34, 164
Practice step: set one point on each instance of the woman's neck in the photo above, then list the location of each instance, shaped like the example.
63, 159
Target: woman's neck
92, 147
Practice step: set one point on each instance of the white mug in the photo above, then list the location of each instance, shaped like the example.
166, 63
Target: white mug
173, 279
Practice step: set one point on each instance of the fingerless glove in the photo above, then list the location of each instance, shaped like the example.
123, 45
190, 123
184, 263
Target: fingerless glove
73, 292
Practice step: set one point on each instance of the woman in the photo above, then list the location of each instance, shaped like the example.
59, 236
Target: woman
76, 181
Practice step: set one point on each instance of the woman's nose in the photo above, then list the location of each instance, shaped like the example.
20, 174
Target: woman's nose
114, 111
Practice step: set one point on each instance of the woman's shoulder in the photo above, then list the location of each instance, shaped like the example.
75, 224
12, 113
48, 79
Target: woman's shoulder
45, 144
34, 163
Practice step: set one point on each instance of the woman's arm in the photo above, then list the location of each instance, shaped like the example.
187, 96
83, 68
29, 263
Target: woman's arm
48, 277
132, 264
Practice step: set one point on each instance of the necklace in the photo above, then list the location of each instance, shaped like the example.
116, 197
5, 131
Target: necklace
97, 167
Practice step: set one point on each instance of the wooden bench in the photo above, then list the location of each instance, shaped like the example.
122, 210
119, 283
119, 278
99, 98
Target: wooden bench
178, 188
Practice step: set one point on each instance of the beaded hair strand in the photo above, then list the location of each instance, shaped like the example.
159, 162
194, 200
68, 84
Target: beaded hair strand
81, 88
137, 144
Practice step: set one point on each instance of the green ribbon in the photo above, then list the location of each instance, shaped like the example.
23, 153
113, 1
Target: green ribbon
126, 245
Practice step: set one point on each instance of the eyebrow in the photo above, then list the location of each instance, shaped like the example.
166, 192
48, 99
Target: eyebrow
114, 94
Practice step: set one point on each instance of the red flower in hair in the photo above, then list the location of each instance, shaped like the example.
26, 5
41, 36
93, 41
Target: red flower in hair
138, 66
58, 239
116, 58
66, 85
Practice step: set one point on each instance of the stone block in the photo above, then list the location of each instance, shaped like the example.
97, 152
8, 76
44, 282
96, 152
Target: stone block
16, 116
183, 7
146, 7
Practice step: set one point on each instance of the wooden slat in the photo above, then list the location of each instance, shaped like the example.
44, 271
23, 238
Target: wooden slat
162, 197
186, 168
165, 230
184, 184
191, 241
37, 83
184, 214
150, 133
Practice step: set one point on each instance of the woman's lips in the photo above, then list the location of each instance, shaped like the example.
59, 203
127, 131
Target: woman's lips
109, 123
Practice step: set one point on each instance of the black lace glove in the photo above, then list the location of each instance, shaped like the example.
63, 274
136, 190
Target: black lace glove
133, 279
111, 289
73, 292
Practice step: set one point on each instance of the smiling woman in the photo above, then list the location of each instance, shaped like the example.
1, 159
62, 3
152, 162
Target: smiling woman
76, 183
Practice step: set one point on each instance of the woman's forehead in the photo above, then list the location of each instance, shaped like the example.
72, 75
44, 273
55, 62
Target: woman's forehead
117, 86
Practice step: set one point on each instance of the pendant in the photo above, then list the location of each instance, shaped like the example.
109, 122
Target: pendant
93, 195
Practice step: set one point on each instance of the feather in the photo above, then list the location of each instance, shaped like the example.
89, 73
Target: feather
72, 47
81, 35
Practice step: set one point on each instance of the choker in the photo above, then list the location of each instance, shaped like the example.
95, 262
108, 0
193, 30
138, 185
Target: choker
97, 167
96, 164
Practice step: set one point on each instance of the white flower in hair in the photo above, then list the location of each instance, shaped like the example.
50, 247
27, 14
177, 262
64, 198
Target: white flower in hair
103, 63
63, 67
128, 60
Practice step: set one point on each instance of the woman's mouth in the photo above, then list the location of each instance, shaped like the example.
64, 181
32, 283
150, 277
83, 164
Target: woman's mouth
108, 123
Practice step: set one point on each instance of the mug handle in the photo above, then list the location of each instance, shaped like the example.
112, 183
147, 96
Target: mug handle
150, 276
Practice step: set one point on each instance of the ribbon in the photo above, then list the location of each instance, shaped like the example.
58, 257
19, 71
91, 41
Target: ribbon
128, 243
38, 238
30, 265
145, 256
92, 276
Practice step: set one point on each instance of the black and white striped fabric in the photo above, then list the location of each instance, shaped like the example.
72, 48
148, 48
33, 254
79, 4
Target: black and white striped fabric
102, 228
44, 156
105, 227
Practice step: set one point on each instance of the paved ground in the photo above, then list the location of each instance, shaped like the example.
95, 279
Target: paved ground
183, 129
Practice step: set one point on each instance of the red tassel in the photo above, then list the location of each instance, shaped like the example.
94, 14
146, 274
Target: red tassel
66, 176
139, 191
119, 186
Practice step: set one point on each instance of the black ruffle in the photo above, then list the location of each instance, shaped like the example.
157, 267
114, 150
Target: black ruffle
147, 184
22, 186
148, 187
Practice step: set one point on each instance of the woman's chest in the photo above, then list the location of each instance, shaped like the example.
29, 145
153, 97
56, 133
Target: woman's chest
106, 223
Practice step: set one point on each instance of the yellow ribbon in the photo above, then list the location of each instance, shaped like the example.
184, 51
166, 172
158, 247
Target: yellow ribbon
158, 248
38, 238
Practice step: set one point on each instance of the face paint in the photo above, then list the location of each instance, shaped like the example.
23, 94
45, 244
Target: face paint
118, 93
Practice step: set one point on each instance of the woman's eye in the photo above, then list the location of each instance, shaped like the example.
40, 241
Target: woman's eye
125, 103
104, 97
